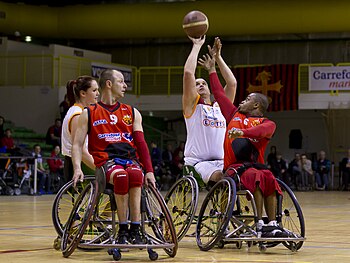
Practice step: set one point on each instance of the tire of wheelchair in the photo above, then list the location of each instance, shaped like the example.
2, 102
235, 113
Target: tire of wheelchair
229, 187
168, 221
70, 242
285, 188
190, 210
72, 194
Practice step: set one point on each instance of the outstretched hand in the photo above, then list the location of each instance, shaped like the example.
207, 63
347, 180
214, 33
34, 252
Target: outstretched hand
215, 51
197, 41
207, 62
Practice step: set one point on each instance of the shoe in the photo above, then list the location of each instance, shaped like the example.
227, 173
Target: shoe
136, 237
273, 230
122, 237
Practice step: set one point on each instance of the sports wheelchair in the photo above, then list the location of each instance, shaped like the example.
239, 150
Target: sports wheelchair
85, 217
229, 215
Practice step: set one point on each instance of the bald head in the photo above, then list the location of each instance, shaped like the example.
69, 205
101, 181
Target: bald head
262, 100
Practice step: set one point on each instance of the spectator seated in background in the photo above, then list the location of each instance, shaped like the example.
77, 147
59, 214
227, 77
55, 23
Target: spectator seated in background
7, 142
2, 122
322, 169
305, 179
179, 162
345, 172
53, 134
294, 171
156, 157
43, 178
56, 166
168, 169
271, 159
279, 169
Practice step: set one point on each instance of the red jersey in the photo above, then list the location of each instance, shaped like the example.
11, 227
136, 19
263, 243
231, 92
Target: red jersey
257, 130
257, 134
110, 132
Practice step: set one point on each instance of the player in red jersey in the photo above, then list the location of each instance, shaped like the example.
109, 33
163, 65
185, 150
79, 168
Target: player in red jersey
247, 135
118, 147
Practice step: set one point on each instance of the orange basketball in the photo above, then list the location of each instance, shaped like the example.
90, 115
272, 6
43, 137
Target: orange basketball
195, 24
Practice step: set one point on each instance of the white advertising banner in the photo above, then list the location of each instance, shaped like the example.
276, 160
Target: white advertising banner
329, 78
97, 68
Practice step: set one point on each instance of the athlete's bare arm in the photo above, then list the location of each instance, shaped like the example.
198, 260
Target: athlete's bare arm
86, 156
78, 143
190, 94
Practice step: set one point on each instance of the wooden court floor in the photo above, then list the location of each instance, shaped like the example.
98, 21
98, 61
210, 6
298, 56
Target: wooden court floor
26, 235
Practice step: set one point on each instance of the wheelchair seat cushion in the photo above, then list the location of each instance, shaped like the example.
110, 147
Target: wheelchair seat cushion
251, 177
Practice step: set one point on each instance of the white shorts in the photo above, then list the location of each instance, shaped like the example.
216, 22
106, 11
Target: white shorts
207, 168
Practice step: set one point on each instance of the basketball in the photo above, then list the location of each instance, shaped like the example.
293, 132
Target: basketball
195, 24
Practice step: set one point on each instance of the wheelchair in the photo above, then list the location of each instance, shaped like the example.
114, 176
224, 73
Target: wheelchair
182, 201
228, 215
85, 217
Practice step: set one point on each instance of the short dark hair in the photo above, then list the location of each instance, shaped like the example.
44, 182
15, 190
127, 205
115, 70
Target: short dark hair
262, 100
106, 74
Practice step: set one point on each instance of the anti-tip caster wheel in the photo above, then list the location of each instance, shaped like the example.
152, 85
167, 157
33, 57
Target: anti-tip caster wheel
152, 255
221, 244
262, 248
239, 244
293, 247
57, 243
116, 253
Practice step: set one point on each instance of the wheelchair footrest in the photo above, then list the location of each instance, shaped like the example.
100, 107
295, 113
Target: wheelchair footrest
129, 246
265, 239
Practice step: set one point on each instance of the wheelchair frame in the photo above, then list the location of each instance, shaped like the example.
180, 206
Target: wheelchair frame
182, 201
86, 227
243, 226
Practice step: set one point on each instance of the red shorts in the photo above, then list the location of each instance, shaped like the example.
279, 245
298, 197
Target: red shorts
266, 181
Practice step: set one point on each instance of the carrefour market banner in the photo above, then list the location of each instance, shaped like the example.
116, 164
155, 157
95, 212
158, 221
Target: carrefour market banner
97, 68
329, 78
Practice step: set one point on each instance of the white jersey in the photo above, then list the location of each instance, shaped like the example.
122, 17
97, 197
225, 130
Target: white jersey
66, 129
206, 128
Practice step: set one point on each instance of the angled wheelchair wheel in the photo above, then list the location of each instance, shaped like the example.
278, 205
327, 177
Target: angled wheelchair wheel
158, 225
290, 216
215, 213
64, 202
79, 218
182, 200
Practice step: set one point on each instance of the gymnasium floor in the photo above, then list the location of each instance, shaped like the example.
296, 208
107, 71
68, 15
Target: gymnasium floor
26, 235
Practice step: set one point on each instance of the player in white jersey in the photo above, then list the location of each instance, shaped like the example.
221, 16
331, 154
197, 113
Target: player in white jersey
82, 92
205, 124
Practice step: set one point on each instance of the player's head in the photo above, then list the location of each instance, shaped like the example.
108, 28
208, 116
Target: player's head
82, 88
202, 87
113, 80
255, 103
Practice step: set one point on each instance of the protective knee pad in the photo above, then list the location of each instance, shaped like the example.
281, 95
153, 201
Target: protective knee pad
120, 181
135, 176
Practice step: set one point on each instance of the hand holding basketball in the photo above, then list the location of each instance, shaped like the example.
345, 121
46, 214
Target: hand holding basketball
195, 24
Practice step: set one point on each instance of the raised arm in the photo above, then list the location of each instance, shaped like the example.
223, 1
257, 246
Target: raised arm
190, 93
226, 106
226, 72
